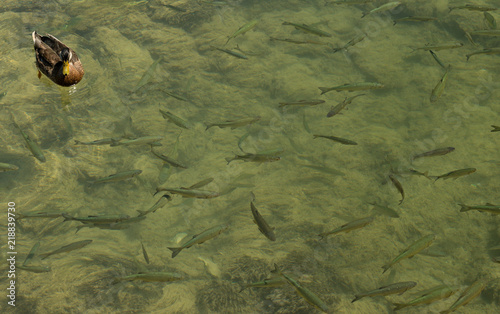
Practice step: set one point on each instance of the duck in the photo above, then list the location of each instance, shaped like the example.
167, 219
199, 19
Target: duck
57, 61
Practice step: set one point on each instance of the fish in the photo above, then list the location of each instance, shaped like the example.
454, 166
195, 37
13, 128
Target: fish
437, 59
144, 253
385, 210
298, 42
120, 176
34, 269
348, 227
351, 1
429, 296
412, 250
199, 239
385, 7
150, 140
439, 88
151, 277
485, 51
175, 8
40, 214
487, 208
266, 283
415, 19
490, 20
456, 173
176, 96
242, 30
264, 228
7, 167
435, 152
104, 141
259, 157
31, 253
146, 77
473, 7
399, 287
31, 144
313, 102
307, 294
336, 139
176, 120
341, 105
437, 47
418, 173
352, 87
496, 128
468, 295
200, 184
119, 225
159, 204
398, 186
487, 32
233, 124
309, 29
67, 248
189, 192
169, 160
350, 43
231, 52
102, 219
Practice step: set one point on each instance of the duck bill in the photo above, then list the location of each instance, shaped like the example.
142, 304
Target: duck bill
66, 68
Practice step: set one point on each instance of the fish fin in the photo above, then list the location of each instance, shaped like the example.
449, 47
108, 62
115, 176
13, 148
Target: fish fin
175, 251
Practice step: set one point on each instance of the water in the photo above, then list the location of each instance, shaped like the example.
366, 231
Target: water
118, 41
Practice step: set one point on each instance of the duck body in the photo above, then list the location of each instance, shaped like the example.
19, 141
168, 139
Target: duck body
57, 61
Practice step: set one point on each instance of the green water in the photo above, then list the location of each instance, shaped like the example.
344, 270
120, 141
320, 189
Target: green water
317, 185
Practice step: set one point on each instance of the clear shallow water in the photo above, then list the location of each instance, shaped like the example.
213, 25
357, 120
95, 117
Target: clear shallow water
118, 42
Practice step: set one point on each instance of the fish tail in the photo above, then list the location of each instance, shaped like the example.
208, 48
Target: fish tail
175, 251
364, 14
386, 267
141, 212
209, 126
323, 90
44, 256
356, 298
77, 142
229, 159
399, 306
114, 142
464, 208
67, 217
243, 288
